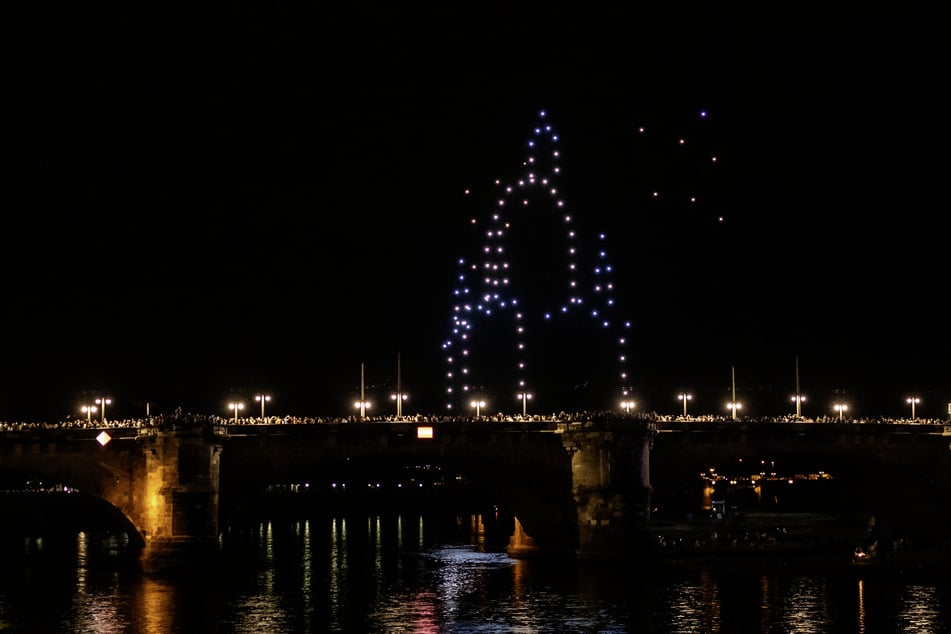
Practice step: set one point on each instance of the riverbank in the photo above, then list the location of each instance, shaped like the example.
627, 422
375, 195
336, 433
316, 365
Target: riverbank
792, 541
759, 537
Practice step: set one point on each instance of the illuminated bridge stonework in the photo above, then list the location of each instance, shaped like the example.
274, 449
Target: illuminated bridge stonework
161, 487
579, 490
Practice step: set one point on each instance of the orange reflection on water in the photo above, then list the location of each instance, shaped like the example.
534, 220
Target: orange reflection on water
157, 602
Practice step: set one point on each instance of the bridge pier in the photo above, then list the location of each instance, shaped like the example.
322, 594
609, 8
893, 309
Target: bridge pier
611, 490
603, 516
177, 505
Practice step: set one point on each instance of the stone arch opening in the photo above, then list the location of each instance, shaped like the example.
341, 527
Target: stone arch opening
454, 484
37, 502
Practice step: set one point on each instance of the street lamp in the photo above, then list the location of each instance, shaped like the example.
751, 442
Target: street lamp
363, 406
478, 405
840, 408
627, 406
683, 396
235, 407
798, 399
913, 400
525, 397
399, 397
262, 399
733, 406
102, 402
88, 410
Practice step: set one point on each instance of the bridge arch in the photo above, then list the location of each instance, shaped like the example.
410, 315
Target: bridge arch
81, 467
326, 485
569, 488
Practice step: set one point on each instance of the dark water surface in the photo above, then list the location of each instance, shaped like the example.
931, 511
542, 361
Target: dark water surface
423, 574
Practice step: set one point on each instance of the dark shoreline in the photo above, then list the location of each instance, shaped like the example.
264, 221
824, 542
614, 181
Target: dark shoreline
793, 541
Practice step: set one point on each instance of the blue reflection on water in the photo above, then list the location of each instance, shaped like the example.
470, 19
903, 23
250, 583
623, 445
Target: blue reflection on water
414, 573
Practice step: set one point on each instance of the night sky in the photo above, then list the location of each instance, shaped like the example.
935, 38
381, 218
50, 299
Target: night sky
263, 197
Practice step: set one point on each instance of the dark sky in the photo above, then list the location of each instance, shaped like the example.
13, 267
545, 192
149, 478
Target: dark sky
263, 197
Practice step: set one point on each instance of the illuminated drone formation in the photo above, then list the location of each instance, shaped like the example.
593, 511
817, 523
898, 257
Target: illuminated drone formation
491, 288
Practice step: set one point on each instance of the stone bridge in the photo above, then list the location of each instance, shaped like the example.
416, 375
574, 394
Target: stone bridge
576, 489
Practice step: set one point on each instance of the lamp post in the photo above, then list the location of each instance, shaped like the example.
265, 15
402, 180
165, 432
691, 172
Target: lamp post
798, 399
362, 404
236, 406
913, 400
102, 402
627, 406
478, 405
841, 408
262, 399
399, 397
733, 406
683, 396
88, 410
525, 397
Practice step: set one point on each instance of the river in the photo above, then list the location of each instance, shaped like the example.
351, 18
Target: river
432, 573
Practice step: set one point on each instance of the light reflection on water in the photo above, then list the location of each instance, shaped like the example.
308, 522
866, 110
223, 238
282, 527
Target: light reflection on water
419, 574
918, 611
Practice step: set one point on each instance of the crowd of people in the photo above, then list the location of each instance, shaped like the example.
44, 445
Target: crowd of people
180, 418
